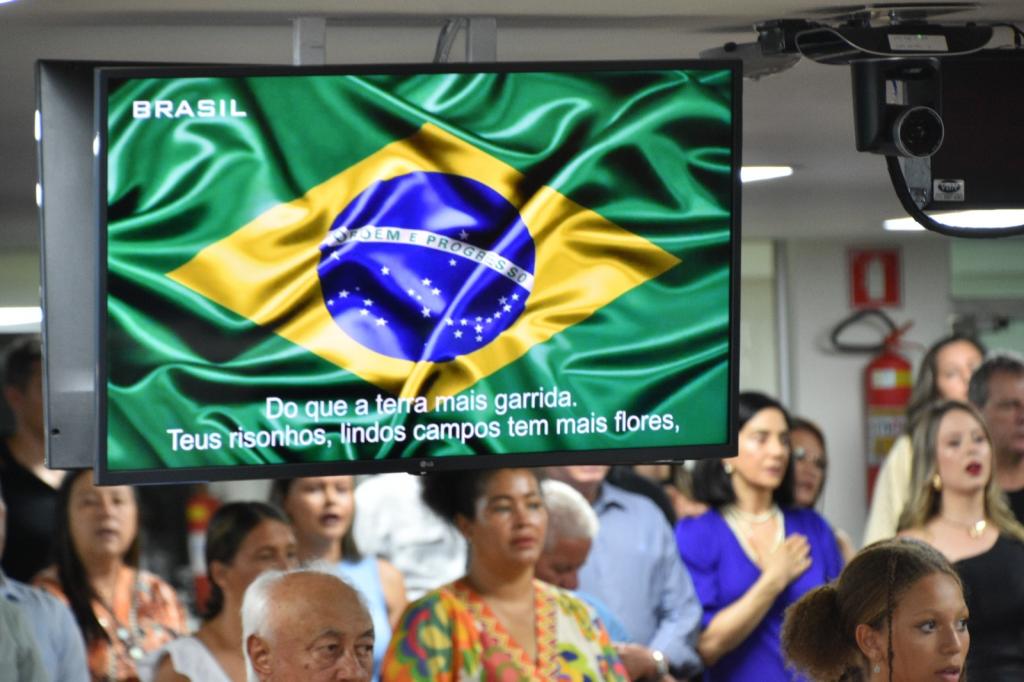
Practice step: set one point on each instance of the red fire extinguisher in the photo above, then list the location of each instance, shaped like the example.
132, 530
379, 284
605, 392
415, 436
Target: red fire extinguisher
888, 382
198, 511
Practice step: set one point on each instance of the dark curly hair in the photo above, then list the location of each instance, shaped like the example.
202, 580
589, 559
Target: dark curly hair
454, 493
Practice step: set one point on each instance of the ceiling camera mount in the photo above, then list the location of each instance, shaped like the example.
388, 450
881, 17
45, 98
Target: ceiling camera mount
912, 80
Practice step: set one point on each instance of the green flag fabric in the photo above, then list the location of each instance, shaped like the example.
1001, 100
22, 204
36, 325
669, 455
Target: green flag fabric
312, 268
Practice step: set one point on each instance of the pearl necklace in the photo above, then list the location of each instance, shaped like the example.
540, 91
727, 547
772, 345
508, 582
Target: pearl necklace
754, 519
741, 524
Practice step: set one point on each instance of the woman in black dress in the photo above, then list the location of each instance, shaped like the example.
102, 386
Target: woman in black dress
960, 511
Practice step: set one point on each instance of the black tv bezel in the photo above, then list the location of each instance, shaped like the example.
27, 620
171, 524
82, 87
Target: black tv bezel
65, 98
413, 465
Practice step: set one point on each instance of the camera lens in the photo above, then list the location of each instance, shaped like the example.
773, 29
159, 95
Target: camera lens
918, 132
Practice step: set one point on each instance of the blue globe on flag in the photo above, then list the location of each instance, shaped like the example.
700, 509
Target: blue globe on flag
426, 266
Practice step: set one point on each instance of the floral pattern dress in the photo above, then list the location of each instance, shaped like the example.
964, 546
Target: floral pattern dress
145, 615
451, 635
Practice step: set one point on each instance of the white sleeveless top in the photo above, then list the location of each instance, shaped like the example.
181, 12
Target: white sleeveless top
191, 658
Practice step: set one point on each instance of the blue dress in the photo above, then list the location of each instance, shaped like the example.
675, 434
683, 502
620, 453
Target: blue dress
722, 573
364, 575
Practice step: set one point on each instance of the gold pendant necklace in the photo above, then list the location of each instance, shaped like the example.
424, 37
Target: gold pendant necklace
973, 529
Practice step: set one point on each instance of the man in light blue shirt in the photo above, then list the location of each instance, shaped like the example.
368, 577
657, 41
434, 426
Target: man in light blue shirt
57, 637
19, 657
634, 568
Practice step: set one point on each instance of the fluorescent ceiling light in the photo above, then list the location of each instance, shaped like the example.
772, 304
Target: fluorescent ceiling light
1004, 217
20, 319
758, 173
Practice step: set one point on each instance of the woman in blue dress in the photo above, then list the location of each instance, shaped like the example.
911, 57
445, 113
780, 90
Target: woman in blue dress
752, 554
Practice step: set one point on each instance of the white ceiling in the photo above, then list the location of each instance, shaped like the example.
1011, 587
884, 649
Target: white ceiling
802, 117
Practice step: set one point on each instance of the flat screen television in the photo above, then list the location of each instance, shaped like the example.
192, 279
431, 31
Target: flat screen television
387, 268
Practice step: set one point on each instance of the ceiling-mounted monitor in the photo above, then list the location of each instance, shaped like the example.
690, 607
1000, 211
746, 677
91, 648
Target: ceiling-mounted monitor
382, 268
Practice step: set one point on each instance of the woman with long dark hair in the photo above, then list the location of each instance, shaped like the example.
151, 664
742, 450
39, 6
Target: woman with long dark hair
752, 553
896, 613
123, 612
244, 539
944, 375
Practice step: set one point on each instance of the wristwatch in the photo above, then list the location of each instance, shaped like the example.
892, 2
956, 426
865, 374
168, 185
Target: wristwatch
660, 663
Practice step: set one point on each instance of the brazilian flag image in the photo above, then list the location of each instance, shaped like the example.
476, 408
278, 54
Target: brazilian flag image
309, 268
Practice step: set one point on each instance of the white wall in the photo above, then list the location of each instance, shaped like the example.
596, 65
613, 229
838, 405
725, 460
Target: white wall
19, 277
827, 387
758, 337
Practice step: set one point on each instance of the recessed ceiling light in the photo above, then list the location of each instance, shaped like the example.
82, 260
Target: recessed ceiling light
1004, 217
17, 318
758, 173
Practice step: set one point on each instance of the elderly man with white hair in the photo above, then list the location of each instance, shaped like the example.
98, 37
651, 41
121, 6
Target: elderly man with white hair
306, 625
634, 567
572, 527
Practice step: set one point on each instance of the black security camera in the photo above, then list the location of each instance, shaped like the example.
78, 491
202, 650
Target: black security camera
897, 107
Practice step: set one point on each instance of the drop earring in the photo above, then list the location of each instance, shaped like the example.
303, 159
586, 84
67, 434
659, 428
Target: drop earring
728, 468
877, 669
937, 483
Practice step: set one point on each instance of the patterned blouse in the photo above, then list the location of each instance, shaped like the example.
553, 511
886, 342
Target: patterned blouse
451, 635
145, 615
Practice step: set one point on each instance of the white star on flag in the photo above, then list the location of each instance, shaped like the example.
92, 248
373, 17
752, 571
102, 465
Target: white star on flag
426, 281
425, 312
381, 322
367, 302
364, 311
463, 234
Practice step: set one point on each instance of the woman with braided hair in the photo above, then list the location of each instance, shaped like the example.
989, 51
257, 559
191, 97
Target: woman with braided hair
896, 613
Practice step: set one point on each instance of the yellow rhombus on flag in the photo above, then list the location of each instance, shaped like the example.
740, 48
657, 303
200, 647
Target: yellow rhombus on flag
266, 271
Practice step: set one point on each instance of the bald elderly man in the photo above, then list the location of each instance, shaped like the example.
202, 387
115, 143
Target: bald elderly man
306, 626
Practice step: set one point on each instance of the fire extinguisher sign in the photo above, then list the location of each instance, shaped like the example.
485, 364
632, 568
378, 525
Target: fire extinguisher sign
875, 278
